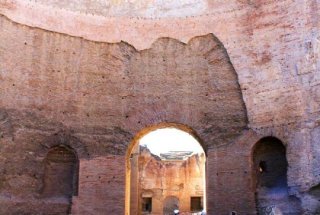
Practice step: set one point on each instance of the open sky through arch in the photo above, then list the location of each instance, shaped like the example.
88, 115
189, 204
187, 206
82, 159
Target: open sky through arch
170, 139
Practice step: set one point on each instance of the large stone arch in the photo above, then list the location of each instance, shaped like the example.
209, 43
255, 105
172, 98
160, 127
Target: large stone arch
132, 193
154, 127
193, 84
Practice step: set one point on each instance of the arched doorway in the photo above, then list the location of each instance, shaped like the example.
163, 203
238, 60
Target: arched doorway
170, 204
270, 176
163, 161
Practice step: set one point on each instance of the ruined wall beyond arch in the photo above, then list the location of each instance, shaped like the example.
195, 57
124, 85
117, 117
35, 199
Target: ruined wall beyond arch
159, 179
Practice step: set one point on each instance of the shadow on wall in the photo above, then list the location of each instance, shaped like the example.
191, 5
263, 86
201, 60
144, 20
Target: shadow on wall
270, 168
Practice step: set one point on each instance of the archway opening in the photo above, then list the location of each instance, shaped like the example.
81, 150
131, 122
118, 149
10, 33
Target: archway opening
163, 163
170, 204
270, 176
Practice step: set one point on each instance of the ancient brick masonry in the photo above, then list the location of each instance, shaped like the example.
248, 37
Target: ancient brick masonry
244, 71
101, 94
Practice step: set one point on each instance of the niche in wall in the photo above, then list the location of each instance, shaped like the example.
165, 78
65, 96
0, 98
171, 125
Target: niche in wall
270, 176
61, 173
270, 163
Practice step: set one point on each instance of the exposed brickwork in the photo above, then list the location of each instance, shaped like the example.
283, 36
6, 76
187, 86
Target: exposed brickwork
101, 186
93, 97
56, 89
230, 177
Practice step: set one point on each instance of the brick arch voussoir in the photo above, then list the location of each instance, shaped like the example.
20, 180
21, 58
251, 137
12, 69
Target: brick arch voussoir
65, 139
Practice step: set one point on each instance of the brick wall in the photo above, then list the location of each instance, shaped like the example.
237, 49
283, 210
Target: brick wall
101, 186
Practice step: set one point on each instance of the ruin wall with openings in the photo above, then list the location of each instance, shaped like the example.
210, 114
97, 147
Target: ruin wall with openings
86, 79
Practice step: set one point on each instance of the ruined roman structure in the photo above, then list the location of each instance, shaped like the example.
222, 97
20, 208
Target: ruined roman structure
81, 81
161, 180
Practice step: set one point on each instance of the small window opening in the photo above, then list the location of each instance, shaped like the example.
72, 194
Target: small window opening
147, 204
196, 204
233, 213
263, 166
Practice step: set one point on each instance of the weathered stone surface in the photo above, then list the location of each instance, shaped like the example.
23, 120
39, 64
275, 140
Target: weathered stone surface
94, 97
51, 83
106, 88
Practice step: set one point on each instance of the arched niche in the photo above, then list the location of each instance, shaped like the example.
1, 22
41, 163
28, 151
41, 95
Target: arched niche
270, 178
270, 163
61, 172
